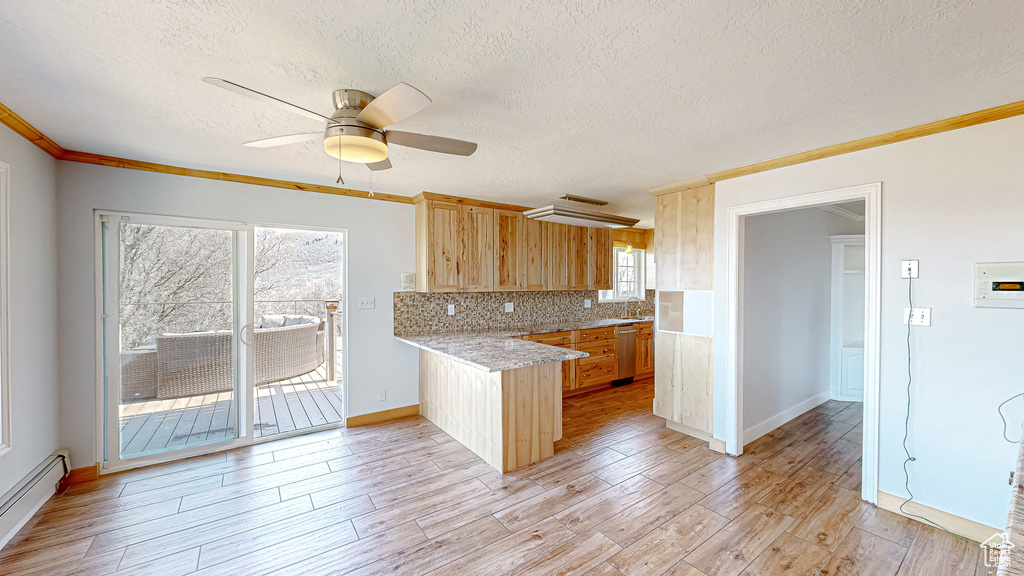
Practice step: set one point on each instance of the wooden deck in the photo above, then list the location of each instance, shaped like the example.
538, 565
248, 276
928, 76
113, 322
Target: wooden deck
306, 401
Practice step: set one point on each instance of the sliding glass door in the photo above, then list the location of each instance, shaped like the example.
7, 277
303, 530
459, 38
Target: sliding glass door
174, 340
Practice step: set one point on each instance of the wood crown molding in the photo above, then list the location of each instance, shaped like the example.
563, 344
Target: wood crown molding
955, 123
375, 417
29, 132
422, 196
115, 162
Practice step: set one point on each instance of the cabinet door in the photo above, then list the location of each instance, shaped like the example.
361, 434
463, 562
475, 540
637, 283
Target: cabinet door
509, 256
644, 354
442, 222
579, 258
600, 259
536, 255
476, 254
558, 256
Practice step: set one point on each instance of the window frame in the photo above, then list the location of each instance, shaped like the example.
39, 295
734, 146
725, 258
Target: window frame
641, 263
5, 340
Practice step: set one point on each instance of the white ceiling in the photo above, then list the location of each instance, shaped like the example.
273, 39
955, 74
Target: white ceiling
604, 99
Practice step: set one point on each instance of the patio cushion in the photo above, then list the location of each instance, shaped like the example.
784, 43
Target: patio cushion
272, 321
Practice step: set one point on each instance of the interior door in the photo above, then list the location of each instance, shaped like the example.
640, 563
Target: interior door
176, 360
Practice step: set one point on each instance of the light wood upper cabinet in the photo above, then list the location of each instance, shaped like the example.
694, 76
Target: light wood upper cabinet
437, 238
467, 245
535, 254
579, 258
600, 259
476, 249
558, 256
684, 239
509, 250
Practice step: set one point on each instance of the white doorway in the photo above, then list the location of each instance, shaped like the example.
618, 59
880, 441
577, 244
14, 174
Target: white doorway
735, 414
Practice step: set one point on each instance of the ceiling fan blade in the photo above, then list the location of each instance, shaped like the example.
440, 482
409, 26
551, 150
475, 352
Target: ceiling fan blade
378, 166
431, 143
398, 103
284, 140
238, 89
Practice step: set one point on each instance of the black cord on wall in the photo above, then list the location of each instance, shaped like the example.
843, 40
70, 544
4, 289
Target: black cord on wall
906, 422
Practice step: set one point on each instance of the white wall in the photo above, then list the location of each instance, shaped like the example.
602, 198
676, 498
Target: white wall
787, 293
33, 320
380, 247
949, 200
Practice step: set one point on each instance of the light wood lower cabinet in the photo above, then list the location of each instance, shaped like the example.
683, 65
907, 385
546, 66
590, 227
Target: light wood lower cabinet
644, 349
602, 366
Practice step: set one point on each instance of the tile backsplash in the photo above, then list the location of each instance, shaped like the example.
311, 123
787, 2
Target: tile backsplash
418, 313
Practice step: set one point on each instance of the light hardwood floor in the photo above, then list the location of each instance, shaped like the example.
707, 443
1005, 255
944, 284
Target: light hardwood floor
622, 495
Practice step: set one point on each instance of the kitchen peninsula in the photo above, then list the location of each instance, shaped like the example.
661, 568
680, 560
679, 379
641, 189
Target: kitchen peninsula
499, 397
498, 393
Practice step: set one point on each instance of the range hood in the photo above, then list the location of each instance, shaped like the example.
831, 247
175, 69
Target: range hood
579, 216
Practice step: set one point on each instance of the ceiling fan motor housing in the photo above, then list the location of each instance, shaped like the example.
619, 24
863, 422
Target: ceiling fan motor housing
348, 139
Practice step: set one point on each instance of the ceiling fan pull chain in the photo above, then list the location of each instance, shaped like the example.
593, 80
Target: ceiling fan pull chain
371, 184
339, 180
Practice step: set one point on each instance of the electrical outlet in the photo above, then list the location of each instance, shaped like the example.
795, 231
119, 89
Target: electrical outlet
367, 304
908, 269
917, 316
451, 309
586, 303
510, 306
382, 395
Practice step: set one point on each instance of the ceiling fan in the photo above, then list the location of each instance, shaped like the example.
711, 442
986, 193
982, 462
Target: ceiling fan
356, 130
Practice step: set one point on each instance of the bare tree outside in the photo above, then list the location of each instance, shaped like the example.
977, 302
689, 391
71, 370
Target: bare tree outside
178, 280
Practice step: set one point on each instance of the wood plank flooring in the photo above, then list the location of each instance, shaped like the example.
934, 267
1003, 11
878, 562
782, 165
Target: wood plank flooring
622, 495
302, 402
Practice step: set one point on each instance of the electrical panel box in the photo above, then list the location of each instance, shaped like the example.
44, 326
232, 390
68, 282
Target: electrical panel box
999, 285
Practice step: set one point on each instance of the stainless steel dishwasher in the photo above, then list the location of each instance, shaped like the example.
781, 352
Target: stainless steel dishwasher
626, 336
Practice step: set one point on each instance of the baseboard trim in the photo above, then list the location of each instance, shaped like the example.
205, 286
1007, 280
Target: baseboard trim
375, 417
717, 445
960, 526
758, 430
688, 430
79, 476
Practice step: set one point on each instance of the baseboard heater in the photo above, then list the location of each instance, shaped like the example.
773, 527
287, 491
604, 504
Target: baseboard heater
19, 503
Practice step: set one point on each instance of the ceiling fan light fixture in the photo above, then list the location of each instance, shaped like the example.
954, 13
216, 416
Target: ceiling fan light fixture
355, 144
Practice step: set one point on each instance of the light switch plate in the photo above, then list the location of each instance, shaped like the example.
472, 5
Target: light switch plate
909, 269
586, 303
510, 306
451, 309
367, 304
918, 316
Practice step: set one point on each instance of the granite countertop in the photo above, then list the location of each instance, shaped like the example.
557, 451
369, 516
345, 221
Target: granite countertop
498, 350
490, 352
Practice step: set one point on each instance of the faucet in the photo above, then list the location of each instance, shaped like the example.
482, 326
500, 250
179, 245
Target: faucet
625, 307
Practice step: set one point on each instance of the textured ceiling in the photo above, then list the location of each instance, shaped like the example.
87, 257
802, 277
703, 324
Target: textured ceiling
605, 99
